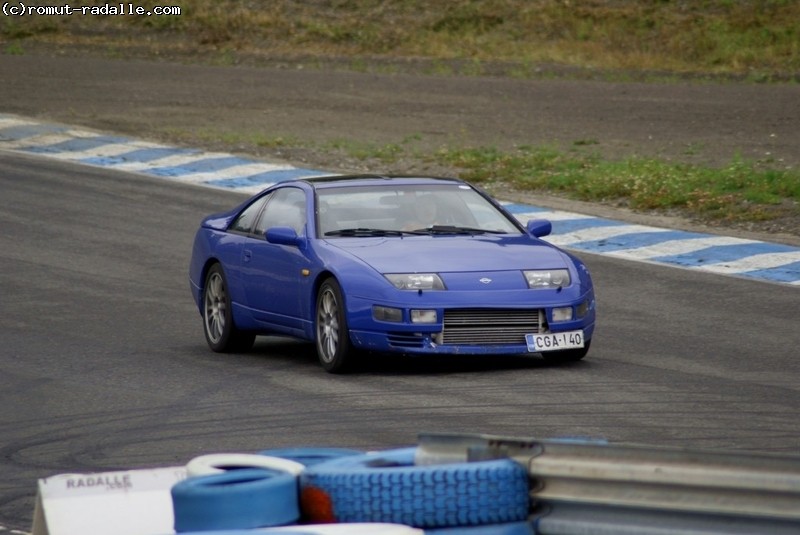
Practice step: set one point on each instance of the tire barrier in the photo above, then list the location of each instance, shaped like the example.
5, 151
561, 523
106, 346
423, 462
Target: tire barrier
242, 491
449, 484
361, 528
388, 487
509, 528
236, 499
310, 456
217, 463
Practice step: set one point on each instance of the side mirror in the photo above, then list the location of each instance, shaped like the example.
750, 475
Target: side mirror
539, 227
283, 236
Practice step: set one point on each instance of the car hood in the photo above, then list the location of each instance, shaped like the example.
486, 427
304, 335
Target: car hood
449, 254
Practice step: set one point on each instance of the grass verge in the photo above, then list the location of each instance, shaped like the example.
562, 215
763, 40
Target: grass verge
741, 191
755, 39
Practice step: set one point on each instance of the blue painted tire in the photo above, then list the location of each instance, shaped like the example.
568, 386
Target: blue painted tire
310, 456
509, 528
248, 532
325, 529
387, 487
236, 499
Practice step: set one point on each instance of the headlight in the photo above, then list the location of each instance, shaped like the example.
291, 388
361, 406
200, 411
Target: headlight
415, 281
547, 278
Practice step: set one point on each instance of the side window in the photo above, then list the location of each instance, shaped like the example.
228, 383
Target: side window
245, 221
286, 208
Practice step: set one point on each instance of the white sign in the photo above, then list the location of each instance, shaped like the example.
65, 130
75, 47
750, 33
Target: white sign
133, 502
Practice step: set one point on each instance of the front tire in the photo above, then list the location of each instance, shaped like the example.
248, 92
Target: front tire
221, 332
332, 339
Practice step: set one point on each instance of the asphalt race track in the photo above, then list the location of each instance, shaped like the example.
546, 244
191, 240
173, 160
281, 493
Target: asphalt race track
104, 365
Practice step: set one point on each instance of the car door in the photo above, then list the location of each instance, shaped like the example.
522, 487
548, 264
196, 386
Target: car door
276, 289
229, 251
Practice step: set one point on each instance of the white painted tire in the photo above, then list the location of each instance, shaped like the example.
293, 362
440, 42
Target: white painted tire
216, 463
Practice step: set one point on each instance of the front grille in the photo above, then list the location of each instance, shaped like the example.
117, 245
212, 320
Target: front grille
482, 326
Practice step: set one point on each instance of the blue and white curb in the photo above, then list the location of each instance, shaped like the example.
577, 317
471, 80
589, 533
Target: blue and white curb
704, 252
185, 165
692, 250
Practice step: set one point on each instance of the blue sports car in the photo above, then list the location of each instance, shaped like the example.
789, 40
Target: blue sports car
417, 266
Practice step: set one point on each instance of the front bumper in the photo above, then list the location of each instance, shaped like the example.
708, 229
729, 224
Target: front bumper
464, 327
420, 343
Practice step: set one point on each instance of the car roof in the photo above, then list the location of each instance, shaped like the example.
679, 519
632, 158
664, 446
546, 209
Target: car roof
322, 182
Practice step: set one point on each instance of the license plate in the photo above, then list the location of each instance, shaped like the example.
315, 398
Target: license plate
538, 343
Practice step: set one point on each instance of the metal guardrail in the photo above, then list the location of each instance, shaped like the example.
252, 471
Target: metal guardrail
584, 486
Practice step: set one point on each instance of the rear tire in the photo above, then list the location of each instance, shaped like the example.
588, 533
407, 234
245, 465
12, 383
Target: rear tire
218, 326
332, 339
567, 355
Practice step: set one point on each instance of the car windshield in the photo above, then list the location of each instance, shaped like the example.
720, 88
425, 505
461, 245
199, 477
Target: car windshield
397, 210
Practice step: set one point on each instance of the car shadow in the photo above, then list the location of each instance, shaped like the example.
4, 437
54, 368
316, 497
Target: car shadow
391, 364
300, 353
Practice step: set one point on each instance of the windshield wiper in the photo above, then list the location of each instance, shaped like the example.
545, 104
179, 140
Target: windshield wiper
368, 232
452, 229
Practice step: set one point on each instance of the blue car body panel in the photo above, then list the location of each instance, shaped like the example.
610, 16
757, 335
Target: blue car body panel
273, 285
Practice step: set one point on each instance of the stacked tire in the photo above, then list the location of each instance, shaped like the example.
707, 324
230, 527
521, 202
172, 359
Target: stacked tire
347, 486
